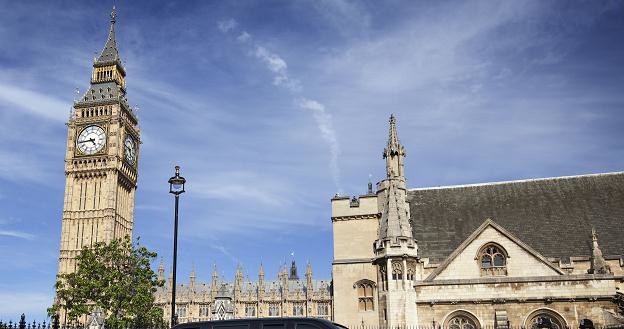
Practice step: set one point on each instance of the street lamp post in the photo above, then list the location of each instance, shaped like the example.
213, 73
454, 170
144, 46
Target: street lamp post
176, 187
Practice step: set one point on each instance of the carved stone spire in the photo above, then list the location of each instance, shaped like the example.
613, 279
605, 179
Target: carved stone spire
598, 263
238, 278
394, 152
192, 278
161, 270
395, 210
308, 276
215, 280
261, 281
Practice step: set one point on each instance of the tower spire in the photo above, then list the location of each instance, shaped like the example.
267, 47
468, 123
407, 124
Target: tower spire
110, 54
394, 152
395, 210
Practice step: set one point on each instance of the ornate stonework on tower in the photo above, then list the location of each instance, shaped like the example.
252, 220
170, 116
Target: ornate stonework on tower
101, 160
395, 247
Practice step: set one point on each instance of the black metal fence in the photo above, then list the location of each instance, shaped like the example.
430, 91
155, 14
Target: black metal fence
619, 326
55, 324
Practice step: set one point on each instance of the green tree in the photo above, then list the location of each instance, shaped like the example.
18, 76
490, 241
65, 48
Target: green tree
117, 278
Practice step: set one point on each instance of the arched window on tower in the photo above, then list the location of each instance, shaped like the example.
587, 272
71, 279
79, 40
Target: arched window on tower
383, 275
365, 291
397, 271
492, 260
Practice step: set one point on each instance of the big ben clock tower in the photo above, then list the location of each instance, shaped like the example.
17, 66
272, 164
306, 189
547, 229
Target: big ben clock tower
101, 160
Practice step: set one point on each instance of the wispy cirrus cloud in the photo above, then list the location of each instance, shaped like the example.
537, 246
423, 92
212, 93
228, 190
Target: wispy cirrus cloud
39, 104
17, 234
281, 78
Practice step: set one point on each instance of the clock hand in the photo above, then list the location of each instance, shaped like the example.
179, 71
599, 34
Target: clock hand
87, 140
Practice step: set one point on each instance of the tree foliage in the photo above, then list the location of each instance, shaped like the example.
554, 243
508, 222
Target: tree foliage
115, 277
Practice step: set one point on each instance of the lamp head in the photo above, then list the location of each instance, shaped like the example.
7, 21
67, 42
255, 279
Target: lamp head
176, 183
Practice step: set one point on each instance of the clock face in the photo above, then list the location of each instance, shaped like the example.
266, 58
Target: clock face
130, 149
91, 140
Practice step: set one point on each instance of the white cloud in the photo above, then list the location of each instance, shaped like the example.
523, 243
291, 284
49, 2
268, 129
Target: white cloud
247, 187
36, 103
276, 64
227, 25
324, 124
244, 37
17, 234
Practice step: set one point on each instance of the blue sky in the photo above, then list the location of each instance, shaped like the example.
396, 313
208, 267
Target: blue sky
272, 107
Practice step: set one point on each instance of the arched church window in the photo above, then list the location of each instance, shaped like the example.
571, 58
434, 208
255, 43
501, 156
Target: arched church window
492, 260
545, 316
365, 291
461, 320
384, 277
397, 271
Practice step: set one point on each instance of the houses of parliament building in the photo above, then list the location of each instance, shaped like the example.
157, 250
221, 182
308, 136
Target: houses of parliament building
500, 254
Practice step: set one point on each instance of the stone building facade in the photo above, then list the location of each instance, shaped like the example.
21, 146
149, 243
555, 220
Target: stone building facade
220, 299
483, 255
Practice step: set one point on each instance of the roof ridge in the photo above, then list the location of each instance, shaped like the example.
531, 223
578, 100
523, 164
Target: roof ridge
515, 181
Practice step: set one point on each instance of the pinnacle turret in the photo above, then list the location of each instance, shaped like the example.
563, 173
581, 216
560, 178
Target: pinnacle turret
161, 270
394, 152
598, 263
293, 271
395, 210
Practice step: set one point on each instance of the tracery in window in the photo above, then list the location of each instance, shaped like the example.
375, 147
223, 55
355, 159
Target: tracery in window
493, 260
365, 295
411, 271
397, 271
461, 320
545, 315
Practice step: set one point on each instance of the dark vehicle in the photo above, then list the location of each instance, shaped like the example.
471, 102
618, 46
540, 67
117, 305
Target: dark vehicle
263, 323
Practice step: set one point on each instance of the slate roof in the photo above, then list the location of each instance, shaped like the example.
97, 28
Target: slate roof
552, 215
110, 53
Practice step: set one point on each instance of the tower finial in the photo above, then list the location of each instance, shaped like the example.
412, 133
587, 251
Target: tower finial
113, 15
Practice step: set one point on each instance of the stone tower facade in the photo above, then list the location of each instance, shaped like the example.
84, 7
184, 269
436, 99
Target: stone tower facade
101, 160
375, 254
395, 248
